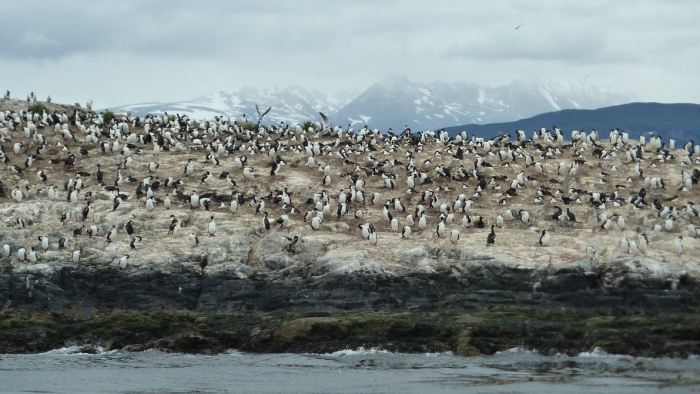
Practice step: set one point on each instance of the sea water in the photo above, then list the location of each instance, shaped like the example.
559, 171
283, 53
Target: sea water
349, 371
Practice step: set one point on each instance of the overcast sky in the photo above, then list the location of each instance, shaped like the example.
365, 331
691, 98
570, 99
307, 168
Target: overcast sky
122, 52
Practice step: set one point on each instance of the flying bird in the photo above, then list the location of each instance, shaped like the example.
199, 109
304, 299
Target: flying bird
518, 27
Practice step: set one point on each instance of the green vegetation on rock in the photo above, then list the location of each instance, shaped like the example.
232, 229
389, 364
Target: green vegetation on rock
39, 109
486, 331
108, 116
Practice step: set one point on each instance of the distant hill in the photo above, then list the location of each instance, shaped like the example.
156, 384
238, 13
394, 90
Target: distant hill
396, 101
678, 121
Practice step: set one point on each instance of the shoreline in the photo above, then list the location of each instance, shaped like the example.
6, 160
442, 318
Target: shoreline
476, 256
398, 314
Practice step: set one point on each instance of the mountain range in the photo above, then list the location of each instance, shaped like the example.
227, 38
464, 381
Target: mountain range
678, 121
395, 102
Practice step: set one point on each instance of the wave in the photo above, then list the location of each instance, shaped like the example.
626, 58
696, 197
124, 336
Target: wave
359, 351
81, 350
518, 350
598, 352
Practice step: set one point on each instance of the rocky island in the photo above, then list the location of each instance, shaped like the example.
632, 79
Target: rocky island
185, 235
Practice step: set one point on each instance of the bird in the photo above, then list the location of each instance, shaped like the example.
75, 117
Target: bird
129, 227
266, 222
678, 246
406, 233
135, 241
316, 223
518, 27
454, 236
590, 252
283, 220
124, 261
194, 200
112, 250
633, 248
117, 202
194, 241
17, 195
44, 241
373, 238
112, 234
289, 243
491, 239
207, 177
211, 228
31, 255
440, 231
544, 238
394, 224
422, 223
76, 256
189, 168
643, 242
22, 254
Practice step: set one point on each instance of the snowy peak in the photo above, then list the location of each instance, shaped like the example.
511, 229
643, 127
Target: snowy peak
396, 101
292, 104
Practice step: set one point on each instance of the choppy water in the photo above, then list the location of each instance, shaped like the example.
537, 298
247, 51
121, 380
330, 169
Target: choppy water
363, 371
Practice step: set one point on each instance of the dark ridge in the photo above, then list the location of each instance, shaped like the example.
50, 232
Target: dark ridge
678, 121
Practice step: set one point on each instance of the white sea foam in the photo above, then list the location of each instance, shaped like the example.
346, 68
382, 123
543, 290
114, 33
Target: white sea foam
518, 349
598, 352
76, 350
359, 351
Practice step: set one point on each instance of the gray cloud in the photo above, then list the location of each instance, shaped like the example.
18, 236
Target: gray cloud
72, 47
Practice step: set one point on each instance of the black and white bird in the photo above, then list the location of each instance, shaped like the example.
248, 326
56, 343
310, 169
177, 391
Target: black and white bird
590, 252
211, 228
194, 200
207, 177
289, 243
112, 250
31, 255
373, 238
316, 222
42, 176
266, 222
22, 254
135, 242
282, 221
117, 202
544, 238
454, 236
678, 246
124, 261
194, 241
76, 256
112, 234
491, 239
189, 168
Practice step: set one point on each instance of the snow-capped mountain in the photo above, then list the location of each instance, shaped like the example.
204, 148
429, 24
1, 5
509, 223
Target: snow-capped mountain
292, 104
396, 101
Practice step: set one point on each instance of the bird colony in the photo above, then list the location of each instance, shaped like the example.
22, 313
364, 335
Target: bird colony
75, 185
